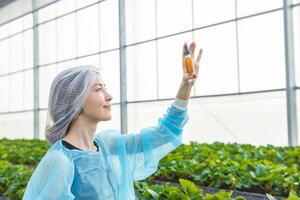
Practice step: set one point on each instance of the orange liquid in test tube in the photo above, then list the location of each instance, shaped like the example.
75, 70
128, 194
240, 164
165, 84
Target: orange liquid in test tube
188, 61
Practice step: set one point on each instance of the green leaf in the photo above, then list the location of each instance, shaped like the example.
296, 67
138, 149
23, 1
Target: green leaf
152, 193
270, 197
189, 187
293, 196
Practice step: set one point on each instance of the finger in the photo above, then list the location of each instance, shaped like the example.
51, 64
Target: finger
197, 69
199, 55
190, 46
192, 76
198, 61
193, 48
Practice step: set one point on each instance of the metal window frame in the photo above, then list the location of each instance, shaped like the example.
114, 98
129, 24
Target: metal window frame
123, 78
36, 121
290, 73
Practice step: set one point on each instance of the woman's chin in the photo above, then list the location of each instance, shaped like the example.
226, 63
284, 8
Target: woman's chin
106, 118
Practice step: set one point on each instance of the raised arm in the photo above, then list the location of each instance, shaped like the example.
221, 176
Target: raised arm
144, 150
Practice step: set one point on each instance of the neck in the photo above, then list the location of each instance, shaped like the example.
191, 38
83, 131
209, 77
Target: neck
81, 133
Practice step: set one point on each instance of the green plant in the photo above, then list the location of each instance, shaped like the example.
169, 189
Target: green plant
13, 179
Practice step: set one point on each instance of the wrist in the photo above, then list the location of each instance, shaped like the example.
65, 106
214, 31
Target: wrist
180, 103
184, 91
186, 84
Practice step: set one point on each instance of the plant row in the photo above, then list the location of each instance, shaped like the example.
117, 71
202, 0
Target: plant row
233, 166
264, 169
23, 151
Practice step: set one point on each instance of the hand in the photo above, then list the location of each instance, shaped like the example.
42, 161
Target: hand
191, 79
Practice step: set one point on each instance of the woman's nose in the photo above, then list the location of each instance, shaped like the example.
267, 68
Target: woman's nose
108, 96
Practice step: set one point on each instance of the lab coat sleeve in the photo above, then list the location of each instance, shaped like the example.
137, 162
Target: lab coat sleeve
52, 179
145, 149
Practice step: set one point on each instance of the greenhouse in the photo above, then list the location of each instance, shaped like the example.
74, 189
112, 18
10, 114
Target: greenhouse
150, 99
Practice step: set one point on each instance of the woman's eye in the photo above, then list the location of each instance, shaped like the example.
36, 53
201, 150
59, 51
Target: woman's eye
103, 89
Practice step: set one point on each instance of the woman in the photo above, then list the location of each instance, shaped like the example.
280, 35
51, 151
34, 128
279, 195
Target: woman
83, 165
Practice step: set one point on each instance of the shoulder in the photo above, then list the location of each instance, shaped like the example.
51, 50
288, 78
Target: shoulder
108, 134
56, 160
57, 155
111, 138
53, 173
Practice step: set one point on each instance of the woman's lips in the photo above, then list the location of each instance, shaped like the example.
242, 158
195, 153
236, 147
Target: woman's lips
107, 107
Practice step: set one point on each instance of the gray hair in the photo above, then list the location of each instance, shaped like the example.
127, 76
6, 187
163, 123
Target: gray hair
68, 92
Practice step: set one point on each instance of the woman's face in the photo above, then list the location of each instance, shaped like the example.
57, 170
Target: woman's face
97, 104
